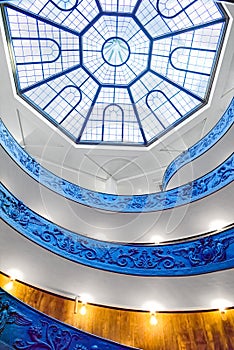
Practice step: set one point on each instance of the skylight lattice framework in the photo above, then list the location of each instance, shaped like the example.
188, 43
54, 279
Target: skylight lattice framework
115, 71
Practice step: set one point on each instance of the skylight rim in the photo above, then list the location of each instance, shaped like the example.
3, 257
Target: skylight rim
147, 141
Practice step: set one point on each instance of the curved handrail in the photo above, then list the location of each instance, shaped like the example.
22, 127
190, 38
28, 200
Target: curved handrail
190, 192
202, 146
23, 327
197, 256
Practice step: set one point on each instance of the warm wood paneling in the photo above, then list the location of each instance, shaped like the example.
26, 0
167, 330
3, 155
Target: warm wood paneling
174, 331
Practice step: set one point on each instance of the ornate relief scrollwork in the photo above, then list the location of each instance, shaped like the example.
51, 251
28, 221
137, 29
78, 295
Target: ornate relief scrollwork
206, 250
202, 146
24, 328
201, 255
10, 315
47, 336
199, 188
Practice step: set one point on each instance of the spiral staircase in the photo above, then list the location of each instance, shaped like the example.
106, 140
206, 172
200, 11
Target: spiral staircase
142, 228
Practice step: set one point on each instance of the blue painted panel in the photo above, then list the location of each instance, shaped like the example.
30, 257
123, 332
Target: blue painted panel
202, 255
190, 192
24, 328
202, 146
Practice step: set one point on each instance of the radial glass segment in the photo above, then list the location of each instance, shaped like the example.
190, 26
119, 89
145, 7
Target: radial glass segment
115, 71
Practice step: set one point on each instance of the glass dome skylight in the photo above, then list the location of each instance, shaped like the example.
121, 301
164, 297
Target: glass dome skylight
115, 71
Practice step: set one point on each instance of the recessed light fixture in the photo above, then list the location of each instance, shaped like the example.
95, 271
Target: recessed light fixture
15, 274
217, 225
83, 310
100, 236
83, 299
221, 304
9, 285
152, 306
156, 239
153, 319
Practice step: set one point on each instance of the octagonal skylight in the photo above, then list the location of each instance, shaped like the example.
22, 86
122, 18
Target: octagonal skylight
115, 71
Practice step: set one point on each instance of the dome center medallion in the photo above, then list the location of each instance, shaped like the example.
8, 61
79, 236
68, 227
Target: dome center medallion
115, 51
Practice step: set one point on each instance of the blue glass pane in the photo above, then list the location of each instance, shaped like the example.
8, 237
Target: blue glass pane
66, 99
187, 59
126, 6
40, 49
71, 14
163, 17
115, 71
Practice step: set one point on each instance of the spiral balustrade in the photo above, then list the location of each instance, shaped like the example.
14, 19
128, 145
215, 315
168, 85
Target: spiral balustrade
190, 192
201, 255
24, 328
202, 146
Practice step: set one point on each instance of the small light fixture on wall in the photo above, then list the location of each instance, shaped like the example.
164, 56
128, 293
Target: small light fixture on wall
76, 304
221, 305
223, 314
156, 239
153, 319
13, 275
217, 225
153, 307
83, 309
9, 285
83, 299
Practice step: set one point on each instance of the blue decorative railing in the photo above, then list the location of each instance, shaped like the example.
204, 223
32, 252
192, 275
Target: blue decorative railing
24, 328
203, 145
190, 192
201, 255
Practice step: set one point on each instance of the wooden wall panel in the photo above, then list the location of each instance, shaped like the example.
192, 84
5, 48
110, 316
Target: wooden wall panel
174, 331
